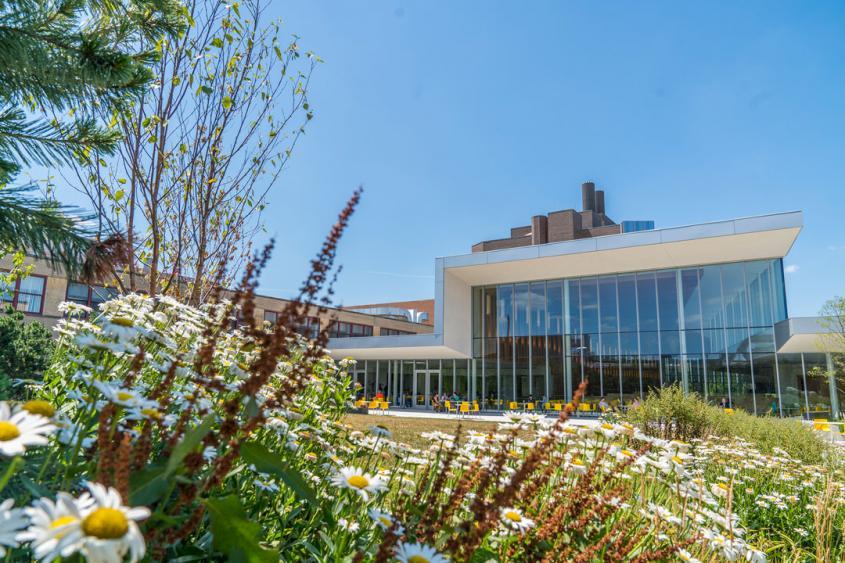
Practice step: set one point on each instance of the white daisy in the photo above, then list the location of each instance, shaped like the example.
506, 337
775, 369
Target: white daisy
21, 429
384, 520
380, 430
125, 397
362, 483
345, 524
418, 553
514, 518
12, 520
108, 531
51, 521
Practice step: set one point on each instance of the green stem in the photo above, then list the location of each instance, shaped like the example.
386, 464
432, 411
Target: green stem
10, 471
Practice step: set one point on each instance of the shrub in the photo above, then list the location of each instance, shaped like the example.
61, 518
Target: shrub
25, 349
671, 414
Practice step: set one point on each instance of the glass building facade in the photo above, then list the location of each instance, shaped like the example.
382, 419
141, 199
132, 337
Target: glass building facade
709, 329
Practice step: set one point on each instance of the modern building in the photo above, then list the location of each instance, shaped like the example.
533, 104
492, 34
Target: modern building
419, 311
38, 296
703, 306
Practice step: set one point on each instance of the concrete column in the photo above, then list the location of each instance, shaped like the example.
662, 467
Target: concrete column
831, 378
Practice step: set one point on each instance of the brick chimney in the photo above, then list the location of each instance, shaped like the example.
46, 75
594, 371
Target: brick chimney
588, 196
600, 201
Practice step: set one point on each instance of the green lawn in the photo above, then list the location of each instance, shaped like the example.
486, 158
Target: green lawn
408, 430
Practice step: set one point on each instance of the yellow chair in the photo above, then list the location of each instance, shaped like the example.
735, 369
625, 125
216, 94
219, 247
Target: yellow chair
464, 408
512, 405
821, 424
558, 407
585, 407
450, 408
383, 406
373, 404
475, 407
529, 406
729, 411
360, 403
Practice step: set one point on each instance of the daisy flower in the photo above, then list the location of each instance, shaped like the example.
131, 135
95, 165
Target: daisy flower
50, 521
11, 521
514, 518
345, 524
42, 408
124, 397
418, 553
21, 429
384, 520
362, 483
108, 530
381, 431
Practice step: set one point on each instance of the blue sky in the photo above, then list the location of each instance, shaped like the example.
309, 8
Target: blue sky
464, 118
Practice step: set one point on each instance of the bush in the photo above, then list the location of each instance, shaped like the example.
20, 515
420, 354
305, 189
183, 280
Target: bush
25, 349
671, 414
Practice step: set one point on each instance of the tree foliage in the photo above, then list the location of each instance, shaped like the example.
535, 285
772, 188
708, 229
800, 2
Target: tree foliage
201, 150
25, 349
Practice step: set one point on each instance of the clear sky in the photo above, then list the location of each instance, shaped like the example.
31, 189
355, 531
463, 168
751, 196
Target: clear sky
464, 118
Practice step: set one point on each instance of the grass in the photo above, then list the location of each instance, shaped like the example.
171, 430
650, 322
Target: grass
408, 430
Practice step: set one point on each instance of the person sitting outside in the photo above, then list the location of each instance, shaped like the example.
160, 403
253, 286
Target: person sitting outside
435, 402
603, 405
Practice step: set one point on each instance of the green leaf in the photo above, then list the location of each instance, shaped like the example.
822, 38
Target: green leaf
234, 534
227, 102
217, 42
483, 555
190, 442
266, 461
147, 486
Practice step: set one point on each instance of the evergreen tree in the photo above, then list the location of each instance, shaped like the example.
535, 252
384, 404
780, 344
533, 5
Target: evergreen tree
64, 66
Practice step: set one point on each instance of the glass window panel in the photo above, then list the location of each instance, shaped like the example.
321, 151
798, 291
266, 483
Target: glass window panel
628, 344
554, 300
650, 366
33, 285
271, 316
649, 344
592, 375
818, 385
630, 366
521, 298
522, 366
77, 292
6, 291
779, 291
489, 303
504, 310
627, 287
670, 342
716, 367
742, 394
506, 358
461, 378
692, 340
759, 292
610, 344
101, 294
610, 380
762, 340
557, 383
711, 297
667, 300
589, 305
538, 309
573, 307
538, 368
607, 304
671, 367
476, 312
491, 373
691, 294
714, 341
765, 386
791, 374
647, 301
735, 296
695, 374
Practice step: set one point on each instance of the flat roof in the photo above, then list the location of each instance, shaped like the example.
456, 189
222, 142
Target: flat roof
808, 335
748, 238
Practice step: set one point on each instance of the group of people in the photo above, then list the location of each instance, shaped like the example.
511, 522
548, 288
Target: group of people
437, 401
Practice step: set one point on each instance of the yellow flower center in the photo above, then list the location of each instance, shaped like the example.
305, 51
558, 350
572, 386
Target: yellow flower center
417, 559
124, 396
385, 521
106, 524
607, 426
358, 481
577, 461
513, 516
722, 486
8, 431
59, 522
39, 407
122, 321
677, 460
151, 413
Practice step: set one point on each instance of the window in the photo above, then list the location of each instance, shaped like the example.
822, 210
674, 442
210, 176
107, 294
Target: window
393, 332
309, 327
340, 329
89, 295
26, 295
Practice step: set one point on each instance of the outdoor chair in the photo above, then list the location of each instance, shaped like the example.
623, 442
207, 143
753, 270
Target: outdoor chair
513, 405
464, 408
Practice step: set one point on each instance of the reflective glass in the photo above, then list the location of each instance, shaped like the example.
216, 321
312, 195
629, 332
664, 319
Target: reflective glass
735, 296
758, 282
650, 366
711, 297
791, 376
506, 373
647, 301
554, 300
667, 300
695, 374
765, 386
691, 295
489, 305
521, 299
627, 288
779, 290
504, 310
589, 305
818, 385
573, 306
462, 379
477, 311
607, 304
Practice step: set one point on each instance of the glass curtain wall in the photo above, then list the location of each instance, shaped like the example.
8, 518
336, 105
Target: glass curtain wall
707, 329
